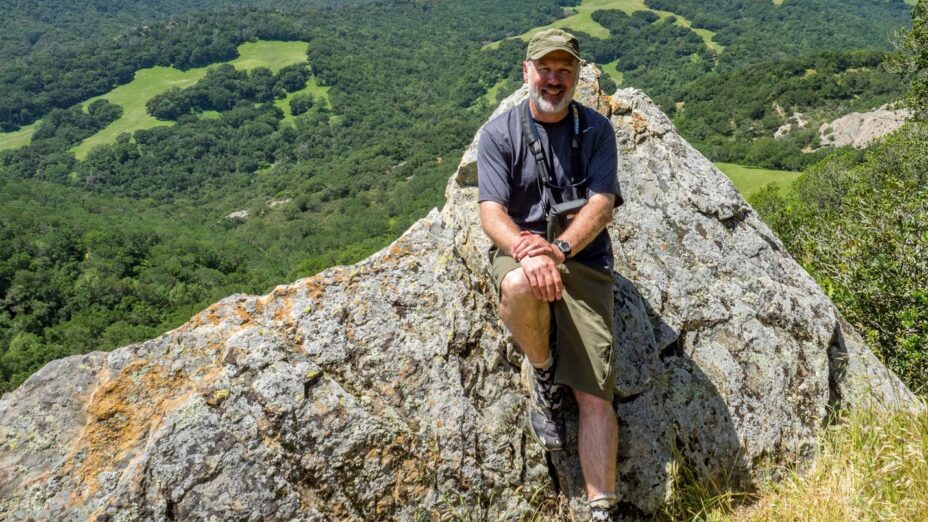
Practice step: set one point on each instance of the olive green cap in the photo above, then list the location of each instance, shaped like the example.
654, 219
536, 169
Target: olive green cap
548, 40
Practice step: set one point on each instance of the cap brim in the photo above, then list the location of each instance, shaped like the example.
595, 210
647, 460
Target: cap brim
550, 50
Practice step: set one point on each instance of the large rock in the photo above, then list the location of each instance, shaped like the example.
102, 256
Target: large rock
861, 129
389, 389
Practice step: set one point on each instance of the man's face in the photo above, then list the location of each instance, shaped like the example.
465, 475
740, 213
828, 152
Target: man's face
551, 81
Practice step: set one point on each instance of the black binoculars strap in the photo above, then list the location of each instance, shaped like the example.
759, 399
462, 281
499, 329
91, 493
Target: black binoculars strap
545, 177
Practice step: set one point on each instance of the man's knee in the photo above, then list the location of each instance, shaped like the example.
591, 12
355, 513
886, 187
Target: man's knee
515, 285
590, 404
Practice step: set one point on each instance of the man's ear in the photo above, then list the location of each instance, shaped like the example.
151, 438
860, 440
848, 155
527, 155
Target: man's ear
525, 65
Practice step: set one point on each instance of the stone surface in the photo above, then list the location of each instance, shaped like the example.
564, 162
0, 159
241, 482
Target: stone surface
859, 129
389, 389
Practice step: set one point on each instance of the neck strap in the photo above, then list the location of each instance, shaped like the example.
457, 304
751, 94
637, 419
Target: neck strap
546, 180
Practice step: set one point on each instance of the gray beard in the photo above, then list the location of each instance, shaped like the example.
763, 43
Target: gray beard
544, 106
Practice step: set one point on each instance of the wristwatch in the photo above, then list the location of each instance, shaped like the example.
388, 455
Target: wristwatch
563, 246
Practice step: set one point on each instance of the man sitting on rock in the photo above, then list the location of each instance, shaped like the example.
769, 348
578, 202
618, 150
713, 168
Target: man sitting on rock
553, 154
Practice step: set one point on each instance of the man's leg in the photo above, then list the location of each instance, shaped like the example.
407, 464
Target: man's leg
527, 318
529, 321
598, 444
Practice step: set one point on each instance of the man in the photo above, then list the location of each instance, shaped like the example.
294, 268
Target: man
576, 159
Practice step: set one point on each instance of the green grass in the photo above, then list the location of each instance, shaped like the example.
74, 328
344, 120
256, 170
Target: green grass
156, 80
132, 97
312, 87
749, 180
273, 55
582, 21
492, 94
612, 69
18, 138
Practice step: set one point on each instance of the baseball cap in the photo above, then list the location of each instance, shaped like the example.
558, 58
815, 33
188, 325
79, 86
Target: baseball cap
548, 40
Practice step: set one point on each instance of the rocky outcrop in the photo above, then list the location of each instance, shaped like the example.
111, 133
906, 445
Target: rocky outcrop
389, 389
796, 121
859, 129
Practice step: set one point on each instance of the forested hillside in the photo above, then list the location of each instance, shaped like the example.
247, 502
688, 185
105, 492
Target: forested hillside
733, 116
858, 222
57, 26
147, 240
137, 234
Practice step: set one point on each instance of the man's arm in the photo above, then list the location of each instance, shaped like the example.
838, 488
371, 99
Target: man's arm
590, 221
541, 271
582, 230
497, 224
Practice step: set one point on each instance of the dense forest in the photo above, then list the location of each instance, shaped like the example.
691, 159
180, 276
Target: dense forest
752, 32
134, 238
137, 239
733, 116
57, 26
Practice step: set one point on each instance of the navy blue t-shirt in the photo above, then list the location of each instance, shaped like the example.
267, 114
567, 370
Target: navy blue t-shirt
506, 171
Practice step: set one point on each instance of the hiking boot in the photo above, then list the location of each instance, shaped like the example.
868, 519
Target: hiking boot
544, 406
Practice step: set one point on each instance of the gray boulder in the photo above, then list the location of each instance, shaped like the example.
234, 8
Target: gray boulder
389, 389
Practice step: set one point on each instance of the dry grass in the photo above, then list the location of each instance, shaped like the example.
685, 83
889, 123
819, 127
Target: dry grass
871, 466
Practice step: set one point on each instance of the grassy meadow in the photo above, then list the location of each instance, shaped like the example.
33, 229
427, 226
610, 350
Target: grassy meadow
612, 69
19, 138
155, 80
581, 20
749, 180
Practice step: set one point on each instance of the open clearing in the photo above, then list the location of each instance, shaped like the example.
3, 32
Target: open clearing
582, 20
132, 97
317, 91
749, 180
16, 139
148, 83
612, 69
156, 80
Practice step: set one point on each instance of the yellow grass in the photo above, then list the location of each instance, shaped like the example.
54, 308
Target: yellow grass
870, 466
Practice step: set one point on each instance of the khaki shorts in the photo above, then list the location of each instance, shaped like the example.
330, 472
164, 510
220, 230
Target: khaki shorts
584, 325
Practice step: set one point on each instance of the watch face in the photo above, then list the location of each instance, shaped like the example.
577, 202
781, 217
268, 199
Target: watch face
561, 244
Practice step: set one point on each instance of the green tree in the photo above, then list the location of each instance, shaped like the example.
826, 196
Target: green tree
913, 60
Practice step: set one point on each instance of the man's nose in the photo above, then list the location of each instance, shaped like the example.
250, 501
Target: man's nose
552, 77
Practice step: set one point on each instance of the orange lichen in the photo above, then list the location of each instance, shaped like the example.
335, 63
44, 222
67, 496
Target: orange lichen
618, 106
639, 123
122, 411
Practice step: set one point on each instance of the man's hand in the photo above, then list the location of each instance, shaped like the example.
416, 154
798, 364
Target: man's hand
543, 275
531, 245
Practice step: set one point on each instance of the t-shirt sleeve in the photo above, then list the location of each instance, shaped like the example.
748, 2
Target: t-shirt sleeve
493, 168
604, 164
